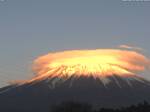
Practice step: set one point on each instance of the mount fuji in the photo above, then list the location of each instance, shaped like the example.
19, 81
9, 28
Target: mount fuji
41, 95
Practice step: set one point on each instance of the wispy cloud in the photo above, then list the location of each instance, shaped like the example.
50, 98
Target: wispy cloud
130, 47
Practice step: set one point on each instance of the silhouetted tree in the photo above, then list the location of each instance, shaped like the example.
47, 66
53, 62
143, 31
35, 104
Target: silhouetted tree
107, 110
141, 107
72, 106
84, 107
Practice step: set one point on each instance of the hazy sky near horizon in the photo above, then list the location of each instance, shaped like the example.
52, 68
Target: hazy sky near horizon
30, 28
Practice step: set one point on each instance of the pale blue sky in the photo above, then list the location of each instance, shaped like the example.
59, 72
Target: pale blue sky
29, 28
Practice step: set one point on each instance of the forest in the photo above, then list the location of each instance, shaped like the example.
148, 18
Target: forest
72, 106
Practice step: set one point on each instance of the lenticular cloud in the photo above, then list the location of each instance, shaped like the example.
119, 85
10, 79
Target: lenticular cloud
99, 63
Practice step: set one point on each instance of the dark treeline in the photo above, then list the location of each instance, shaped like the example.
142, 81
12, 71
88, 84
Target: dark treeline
72, 106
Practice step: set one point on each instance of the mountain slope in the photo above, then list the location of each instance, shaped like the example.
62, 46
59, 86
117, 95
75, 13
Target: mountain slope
41, 95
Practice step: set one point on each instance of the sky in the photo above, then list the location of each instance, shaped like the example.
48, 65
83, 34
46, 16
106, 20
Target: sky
31, 28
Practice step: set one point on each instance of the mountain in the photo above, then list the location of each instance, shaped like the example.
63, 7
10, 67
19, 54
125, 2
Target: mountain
40, 96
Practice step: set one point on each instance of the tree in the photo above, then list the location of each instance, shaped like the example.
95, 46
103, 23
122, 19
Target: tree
71, 106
